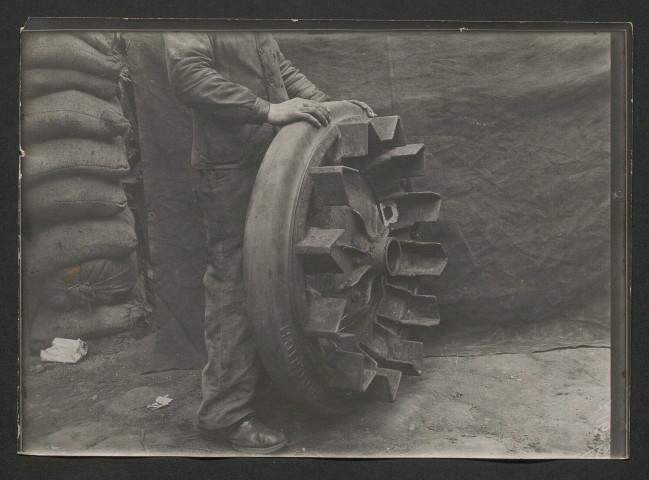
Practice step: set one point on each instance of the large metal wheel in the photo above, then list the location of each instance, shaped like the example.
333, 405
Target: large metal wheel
332, 259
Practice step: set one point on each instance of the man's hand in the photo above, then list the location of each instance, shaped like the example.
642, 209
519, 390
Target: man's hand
298, 109
364, 106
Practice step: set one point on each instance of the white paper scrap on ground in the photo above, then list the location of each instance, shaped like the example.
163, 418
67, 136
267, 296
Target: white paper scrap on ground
160, 402
65, 350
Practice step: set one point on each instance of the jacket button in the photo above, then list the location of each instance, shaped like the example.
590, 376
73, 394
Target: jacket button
261, 50
270, 82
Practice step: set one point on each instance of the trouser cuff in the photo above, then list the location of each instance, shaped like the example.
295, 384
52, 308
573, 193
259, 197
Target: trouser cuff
225, 431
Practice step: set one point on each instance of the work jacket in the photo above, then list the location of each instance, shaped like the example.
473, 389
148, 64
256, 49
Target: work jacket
229, 80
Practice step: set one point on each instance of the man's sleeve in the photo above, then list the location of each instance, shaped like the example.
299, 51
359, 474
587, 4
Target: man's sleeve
297, 85
196, 83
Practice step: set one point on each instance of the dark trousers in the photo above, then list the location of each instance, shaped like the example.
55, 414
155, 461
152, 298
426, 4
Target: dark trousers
233, 367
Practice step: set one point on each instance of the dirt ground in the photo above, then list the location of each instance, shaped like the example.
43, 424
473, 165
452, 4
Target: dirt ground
549, 404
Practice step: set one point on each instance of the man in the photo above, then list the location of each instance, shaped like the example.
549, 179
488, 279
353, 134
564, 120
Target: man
241, 89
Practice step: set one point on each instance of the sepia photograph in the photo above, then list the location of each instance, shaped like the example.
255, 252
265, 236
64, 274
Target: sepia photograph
323, 242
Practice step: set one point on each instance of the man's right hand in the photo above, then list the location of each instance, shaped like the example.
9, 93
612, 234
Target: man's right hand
296, 110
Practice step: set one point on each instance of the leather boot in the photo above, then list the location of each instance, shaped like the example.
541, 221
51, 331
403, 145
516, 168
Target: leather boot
249, 436
252, 436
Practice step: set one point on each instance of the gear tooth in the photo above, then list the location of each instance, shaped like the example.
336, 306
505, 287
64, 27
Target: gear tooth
352, 278
425, 232
361, 201
404, 283
407, 309
348, 370
419, 232
392, 352
391, 171
325, 315
368, 376
385, 385
343, 186
370, 368
406, 161
425, 311
321, 253
405, 209
329, 184
420, 258
353, 142
386, 132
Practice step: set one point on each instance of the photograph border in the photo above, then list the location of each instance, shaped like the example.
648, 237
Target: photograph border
623, 180
621, 143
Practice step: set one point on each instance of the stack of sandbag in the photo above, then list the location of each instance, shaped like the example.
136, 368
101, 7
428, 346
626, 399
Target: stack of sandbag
79, 240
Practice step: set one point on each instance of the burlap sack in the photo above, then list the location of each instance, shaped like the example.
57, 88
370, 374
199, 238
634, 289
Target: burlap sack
71, 243
41, 81
97, 40
65, 50
83, 323
71, 156
71, 114
70, 198
102, 281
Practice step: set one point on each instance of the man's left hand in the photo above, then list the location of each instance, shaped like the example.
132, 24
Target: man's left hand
364, 106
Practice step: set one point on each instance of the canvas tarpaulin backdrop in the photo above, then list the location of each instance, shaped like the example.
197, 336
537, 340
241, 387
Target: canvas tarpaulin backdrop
176, 235
516, 127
